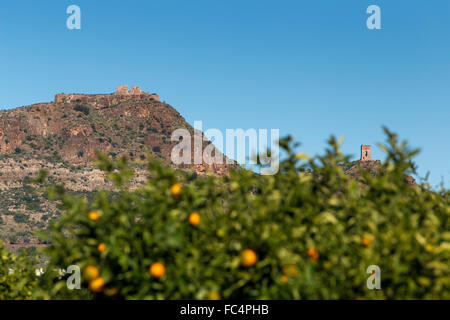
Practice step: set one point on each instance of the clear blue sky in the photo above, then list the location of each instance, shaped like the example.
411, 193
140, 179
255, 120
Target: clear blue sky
310, 68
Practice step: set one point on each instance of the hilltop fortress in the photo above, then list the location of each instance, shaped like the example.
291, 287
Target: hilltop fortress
105, 100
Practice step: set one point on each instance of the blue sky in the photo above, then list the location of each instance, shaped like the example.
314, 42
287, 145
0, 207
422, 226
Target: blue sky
309, 68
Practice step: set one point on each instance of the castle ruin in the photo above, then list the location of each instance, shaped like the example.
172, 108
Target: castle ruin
122, 94
365, 153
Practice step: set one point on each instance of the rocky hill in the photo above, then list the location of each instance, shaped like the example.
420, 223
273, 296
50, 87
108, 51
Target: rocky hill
76, 126
354, 169
63, 137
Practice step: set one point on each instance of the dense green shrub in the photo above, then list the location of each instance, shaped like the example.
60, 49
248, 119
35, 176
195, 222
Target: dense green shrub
21, 218
82, 108
17, 275
156, 149
308, 232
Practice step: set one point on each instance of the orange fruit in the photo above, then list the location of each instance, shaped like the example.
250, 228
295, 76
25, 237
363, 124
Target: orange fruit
94, 215
284, 278
157, 270
90, 273
101, 247
97, 285
248, 258
365, 241
194, 218
175, 190
313, 255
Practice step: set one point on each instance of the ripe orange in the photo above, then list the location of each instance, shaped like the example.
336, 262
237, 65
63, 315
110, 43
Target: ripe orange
248, 258
365, 241
94, 215
97, 285
157, 270
101, 247
284, 278
90, 273
175, 190
313, 255
194, 218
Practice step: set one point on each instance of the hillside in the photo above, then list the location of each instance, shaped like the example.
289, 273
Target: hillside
63, 137
354, 169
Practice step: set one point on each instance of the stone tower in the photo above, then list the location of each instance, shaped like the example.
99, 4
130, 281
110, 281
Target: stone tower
365, 153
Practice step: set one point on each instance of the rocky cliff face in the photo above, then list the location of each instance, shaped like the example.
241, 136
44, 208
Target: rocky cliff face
63, 138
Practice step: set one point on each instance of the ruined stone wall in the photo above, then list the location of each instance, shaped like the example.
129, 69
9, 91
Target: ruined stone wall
122, 90
62, 97
105, 100
135, 90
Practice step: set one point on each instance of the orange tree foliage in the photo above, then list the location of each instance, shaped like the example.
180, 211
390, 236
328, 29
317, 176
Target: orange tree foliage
17, 275
308, 232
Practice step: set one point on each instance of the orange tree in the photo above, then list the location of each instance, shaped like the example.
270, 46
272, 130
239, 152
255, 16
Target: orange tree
17, 275
308, 232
